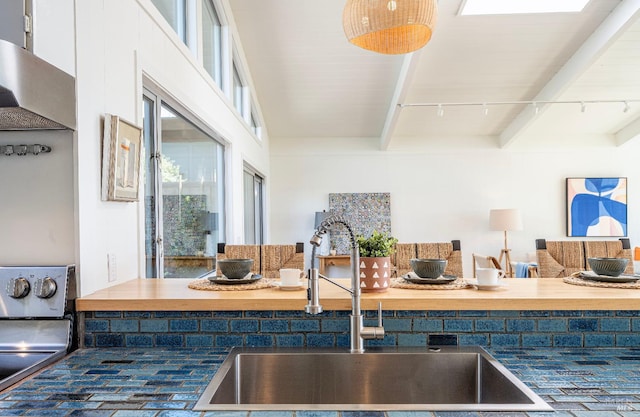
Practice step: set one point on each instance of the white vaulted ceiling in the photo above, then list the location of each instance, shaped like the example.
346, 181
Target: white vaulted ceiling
311, 83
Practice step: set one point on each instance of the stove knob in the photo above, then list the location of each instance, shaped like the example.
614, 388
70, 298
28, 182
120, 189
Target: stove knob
45, 287
18, 287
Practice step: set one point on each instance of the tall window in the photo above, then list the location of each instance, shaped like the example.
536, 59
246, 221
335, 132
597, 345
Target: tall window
175, 12
184, 192
238, 91
253, 207
212, 41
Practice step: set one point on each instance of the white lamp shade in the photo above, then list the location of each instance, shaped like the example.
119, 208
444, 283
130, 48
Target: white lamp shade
505, 219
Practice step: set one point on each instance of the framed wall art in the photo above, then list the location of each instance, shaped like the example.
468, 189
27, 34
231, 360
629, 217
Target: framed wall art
121, 157
597, 207
365, 212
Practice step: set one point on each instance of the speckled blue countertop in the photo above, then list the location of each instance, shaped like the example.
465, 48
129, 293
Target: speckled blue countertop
124, 382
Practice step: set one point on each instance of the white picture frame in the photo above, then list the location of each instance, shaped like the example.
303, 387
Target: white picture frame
121, 159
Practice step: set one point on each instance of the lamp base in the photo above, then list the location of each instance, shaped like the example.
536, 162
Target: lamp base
506, 254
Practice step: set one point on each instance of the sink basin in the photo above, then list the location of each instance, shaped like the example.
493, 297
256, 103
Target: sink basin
443, 378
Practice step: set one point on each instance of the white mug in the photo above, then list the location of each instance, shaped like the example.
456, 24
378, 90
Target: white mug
290, 277
489, 276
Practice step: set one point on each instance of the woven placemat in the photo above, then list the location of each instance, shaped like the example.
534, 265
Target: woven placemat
575, 279
205, 285
458, 284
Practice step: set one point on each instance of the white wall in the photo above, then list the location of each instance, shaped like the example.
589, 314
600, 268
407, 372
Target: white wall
442, 194
118, 42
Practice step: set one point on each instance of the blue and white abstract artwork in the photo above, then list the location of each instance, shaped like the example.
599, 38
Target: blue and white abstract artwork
597, 206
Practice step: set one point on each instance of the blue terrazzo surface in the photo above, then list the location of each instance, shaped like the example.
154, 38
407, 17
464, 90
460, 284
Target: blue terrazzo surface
167, 382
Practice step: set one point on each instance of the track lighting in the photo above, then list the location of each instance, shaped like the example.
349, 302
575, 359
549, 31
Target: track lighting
535, 104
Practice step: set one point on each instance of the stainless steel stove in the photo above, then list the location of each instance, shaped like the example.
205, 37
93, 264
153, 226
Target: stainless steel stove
36, 318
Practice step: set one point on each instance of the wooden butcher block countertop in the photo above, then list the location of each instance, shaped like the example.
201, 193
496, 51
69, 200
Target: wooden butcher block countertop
517, 294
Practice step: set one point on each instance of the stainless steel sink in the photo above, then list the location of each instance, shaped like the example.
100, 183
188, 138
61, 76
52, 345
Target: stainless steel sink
444, 378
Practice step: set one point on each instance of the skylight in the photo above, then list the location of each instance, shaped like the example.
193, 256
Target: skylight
480, 7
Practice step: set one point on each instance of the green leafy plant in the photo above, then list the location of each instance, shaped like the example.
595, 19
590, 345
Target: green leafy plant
378, 245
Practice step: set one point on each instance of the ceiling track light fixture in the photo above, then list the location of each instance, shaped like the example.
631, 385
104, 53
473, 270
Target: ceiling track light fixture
389, 26
535, 104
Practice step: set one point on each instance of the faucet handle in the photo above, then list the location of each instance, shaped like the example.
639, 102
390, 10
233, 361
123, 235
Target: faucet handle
380, 314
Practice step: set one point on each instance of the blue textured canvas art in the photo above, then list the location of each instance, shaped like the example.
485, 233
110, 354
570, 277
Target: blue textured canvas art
597, 206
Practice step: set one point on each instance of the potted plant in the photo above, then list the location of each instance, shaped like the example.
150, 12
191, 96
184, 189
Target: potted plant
375, 261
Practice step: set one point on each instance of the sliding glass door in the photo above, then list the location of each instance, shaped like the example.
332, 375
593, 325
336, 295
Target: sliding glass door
184, 194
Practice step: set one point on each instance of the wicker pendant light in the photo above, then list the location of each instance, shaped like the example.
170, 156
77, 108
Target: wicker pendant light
389, 26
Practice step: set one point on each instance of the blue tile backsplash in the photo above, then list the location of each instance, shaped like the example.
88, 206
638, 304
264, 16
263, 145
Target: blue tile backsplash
555, 328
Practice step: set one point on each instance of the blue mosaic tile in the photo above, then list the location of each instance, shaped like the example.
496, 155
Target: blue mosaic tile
521, 325
137, 314
489, 325
290, 340
396, 325
473, 313
583, 325
317, 414
473, 339
199, 340
305, 325
565, 340
244, 326
599, 340
290, 314
139, 340
428, 325
388, 340
441, 313
458, 325
274, 326
259, 314
183, 325
535, 313
320, 340
410, 313
227, 314
271, 414
214, 325
154, 326
552, 325
504, 313
412, 339
168, 314
343, 340
109, 340
335, 326
259, 340
504, 340
229, 340
628, 340
535, 339
107, 314
167, 340
96, 325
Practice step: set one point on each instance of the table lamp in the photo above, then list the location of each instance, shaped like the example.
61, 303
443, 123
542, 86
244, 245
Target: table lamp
505, 220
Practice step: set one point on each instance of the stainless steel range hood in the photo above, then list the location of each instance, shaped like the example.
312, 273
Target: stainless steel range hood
33, 93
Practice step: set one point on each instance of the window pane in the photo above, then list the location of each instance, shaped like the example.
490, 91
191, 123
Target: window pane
212, 41
175, 12
237, 90
192, 196
249, 210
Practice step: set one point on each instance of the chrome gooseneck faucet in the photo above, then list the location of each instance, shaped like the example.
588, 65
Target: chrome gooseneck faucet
358, 331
